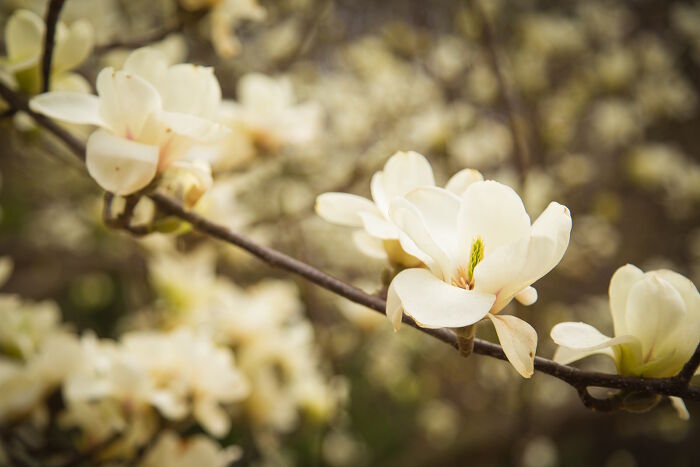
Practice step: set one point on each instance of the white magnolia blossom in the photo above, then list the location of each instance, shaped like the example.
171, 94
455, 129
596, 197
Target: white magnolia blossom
225, 15
267, 112
178, 373
481, 251
656, 321
377, 235
24, 42
150, 115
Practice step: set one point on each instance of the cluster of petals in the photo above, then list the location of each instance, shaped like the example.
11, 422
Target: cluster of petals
149, 114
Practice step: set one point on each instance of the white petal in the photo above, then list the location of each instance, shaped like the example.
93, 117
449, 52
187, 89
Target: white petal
120, 166
686, 288
405, 171
379, 195
620, 285
71, 82
24, 34
191, 89
343, 208
493, 211
394, 308
519, 342
579, 340
72, 107
680, 407
74, 47
147, 63
655, 309
435, 304
126, 102
415, 234
527, 296
378, 226
369, 245
460, 181
439, 209
194, 127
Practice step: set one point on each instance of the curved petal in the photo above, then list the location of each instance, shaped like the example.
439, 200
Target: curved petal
369, 245
686, 288
415, 235
126, 102
379, 195
620, 284
579, 340
405, 171
527, 296
680, 407
655, 310
439, 208
343, 208
462, 180
74, 47
494, 212
148, 63
394, 308
434, 304
377, 226
24, 33
72, 107
120, 166
519, 342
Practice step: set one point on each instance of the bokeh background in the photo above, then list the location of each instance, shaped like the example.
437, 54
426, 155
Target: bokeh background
599, 98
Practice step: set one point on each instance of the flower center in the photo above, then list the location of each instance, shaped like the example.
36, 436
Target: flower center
465, 274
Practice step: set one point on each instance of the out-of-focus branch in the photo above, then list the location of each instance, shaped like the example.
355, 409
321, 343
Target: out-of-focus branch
581, 380
511, 99
53, 11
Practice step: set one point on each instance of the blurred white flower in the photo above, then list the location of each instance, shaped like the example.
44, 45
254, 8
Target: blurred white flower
481, 252
24, 42
378, 237
194, 451
150, 115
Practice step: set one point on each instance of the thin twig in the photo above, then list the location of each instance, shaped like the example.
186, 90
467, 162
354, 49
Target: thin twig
577, 378
511, 100
52, 13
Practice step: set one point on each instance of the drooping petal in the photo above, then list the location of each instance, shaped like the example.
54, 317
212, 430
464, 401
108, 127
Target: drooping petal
126, 102
462, 180
493, 211
416, 235
435, 304
377, 226
119, 165
394, 307
579, 340
680, 407
71, 107
620, 285
519, 342
527, 296
75, 46
24, 33
343, 208
655, 309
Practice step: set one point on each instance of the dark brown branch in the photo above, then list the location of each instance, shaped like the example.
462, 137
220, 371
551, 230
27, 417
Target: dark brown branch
691, 366
511, 100
579, 379
52, 13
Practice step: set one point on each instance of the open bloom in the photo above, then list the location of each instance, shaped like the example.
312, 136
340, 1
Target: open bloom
24, 41
376, 234
150, 115
481, 252
656, 319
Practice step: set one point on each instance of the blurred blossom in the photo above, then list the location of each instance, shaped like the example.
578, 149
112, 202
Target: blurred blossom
488, 144
173, 450
440, 422
540, 452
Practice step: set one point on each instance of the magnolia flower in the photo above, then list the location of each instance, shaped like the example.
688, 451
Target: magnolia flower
267, 112
481, 252
225, 16
656, 320
377, 235
149, 116
24, 42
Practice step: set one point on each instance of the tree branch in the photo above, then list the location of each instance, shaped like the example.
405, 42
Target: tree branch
579, 379
52, 13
